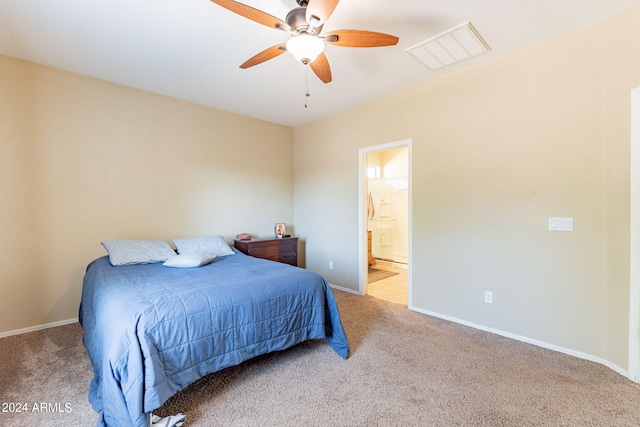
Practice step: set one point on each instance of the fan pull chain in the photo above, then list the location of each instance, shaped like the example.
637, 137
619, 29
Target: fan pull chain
306, 85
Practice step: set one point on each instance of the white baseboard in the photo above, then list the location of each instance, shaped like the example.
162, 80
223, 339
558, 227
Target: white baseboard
528, 340
37, 328
340, 288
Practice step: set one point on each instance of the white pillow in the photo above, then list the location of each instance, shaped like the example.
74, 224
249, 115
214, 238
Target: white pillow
189, 260
213, 245
126, 252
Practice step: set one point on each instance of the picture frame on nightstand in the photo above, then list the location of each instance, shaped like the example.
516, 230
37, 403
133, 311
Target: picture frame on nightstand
280, 229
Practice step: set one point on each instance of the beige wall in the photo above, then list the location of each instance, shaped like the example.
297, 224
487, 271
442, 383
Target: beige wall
85, 161
497, 150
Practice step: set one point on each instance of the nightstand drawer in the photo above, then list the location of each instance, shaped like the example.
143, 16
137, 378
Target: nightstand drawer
264, 251
288, 248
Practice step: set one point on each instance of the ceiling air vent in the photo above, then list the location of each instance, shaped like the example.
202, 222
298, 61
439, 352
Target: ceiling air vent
460, 43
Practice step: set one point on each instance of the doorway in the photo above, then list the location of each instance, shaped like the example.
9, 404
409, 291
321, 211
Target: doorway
385, 221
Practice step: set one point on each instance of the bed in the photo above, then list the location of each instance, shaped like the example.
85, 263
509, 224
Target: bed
150, 330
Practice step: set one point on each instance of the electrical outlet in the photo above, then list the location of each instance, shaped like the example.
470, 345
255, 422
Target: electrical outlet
488, 297
330, 265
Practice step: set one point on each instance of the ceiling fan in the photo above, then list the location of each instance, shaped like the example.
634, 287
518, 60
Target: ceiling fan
305, 24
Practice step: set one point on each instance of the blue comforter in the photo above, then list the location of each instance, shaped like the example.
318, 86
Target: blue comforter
152, 330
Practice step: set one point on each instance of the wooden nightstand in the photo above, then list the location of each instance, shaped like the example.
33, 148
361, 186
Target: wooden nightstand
283, 250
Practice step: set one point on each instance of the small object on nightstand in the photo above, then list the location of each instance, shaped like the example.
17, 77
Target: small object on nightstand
280, 229
243, 236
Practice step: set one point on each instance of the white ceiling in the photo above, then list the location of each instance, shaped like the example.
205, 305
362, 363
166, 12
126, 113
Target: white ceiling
192, 49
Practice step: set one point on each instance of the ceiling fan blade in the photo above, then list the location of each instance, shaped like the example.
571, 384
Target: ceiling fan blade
265, 55
250, 13
358, 38
321, 68
318, 11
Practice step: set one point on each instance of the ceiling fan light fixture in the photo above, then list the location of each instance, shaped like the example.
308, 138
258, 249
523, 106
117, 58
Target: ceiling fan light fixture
305, 48
305, 24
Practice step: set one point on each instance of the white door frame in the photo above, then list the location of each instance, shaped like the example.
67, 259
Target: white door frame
362, 213
634, 255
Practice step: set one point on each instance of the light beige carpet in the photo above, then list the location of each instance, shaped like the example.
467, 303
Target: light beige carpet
406, 369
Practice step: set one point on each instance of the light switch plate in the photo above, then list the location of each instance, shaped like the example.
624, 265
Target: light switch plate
560, 224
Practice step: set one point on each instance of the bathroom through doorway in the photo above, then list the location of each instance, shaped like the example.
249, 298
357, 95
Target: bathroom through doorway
385, 185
